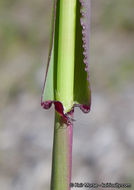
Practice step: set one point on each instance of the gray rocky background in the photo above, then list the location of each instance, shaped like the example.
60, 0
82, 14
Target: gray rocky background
103, 145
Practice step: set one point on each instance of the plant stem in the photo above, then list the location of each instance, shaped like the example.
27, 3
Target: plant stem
62, 145
66, 53
62, 155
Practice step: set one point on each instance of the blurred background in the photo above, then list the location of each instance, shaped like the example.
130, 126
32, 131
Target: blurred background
103, 145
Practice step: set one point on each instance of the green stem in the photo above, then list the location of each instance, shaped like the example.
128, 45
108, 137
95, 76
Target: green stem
66, 53
62, 155
62, 146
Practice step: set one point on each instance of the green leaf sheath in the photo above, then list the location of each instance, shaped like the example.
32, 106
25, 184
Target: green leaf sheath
67, 74
62, 155
66, 53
